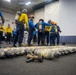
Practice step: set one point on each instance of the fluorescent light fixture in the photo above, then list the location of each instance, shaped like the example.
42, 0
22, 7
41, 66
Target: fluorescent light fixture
8, 0
28, 3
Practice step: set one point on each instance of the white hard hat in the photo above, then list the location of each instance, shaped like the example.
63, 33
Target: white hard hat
24, 11
18, 12
49, 21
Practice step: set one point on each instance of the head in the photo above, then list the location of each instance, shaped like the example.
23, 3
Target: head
41, 20
52, 22
9, 25
31, 17
24, 11
18, 12
49, 21
55, 23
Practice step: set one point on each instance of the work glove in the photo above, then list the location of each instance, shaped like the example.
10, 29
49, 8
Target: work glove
36, 29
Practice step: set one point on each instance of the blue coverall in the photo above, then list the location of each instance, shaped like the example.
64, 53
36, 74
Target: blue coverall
19, 34
41, 35
34, 36
0, 14
14, 34
31, 30
2, 18
1, 32
52, 36
57, 35
22, 20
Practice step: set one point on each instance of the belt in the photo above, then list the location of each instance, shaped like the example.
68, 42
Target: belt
1, 31
8, 33
52, 32
21, 23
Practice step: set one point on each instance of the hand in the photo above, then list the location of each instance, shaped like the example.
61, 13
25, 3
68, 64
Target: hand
26, 29
5, 34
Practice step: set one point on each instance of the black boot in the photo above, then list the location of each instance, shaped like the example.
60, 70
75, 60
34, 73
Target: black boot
20, 45
14, 45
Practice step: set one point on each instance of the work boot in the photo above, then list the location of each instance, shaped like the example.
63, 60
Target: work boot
20, 45
14, 46
1, 43
7, 42
0, 46
57, 44
47, 44
29, 44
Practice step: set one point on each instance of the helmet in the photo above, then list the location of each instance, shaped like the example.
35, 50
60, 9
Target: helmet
55, 23
41, 20
18, 12
24, 11
31, 16
49, 21
52, 22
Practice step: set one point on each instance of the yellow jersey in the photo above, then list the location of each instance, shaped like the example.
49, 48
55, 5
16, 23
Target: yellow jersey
48, 28
2, 28
24, 18
8, 30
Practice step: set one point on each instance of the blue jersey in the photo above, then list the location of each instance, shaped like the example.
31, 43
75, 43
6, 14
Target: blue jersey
43, 25
0, 14
53, 29
35, 32
31, 25
13, 32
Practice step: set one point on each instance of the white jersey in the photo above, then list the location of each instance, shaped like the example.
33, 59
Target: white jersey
17, 17
40, 24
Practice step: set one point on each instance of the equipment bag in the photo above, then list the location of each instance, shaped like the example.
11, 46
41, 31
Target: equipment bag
40, 26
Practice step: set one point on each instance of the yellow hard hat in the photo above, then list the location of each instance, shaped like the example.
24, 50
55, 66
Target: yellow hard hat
55, 23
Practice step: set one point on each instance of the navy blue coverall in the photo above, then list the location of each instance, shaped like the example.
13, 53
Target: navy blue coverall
41, 35
31, 30
2, 18
57, 35
52, 36
19, 34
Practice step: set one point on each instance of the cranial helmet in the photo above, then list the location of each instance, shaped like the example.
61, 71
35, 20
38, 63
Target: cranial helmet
24, 11
55, 23
41, 20
18, 12
49, 21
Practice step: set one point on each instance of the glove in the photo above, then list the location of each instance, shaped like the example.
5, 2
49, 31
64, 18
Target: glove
36, 29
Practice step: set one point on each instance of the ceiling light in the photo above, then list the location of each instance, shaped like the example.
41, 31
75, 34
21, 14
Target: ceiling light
8, 0
28, 3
